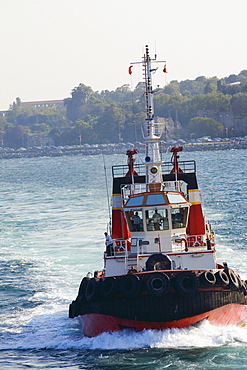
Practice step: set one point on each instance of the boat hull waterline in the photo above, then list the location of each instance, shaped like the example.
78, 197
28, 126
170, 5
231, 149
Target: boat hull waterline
94, 324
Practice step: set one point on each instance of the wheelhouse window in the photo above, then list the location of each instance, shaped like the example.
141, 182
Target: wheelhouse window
153, 199
179, 217
135, 220
157, 219
135, 201
176, 198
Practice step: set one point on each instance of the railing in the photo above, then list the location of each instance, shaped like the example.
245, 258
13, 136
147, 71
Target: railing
120, 246
186, 167
196, 241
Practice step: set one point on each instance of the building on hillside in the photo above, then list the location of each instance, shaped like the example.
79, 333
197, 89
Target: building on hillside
3, 113
59, 104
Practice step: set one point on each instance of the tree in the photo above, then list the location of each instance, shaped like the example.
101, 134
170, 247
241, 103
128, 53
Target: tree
161, 104
3, 123
18, 101
110, 124
194, 87
79, 105
239, 105
40, 128
211, 85
243, 73
13, 113
200, 126
16, 136
85, 131
56, 136
132, 126
172, 88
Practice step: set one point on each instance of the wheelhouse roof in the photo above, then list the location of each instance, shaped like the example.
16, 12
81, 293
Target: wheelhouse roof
161, 198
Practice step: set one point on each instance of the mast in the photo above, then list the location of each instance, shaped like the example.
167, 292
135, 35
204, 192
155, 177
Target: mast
152, 130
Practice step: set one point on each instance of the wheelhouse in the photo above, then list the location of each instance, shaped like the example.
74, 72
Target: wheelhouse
160, 211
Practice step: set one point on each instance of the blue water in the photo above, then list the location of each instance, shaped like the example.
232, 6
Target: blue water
53, 215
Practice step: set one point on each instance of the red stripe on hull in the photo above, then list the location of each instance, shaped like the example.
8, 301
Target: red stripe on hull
94, 324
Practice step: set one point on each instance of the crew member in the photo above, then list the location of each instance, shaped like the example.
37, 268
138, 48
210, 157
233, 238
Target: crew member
109, 245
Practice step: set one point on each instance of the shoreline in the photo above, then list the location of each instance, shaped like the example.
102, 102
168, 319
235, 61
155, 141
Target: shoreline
58, 152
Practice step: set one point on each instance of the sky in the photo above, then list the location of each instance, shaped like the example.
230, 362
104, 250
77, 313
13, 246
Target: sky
49, 47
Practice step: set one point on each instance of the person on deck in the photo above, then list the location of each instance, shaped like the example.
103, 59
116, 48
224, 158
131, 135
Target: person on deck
109, 245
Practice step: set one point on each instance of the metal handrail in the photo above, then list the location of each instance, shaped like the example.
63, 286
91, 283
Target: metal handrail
186, 167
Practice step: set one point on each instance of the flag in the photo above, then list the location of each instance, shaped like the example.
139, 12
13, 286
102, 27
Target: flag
164, 69
130, 70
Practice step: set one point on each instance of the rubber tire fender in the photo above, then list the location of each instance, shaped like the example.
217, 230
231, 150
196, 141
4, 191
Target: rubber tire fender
129, 286
82, 287
233, 280
72, 310
92, 289
244, 287
186, 283
156, 258
108, 288
221, 278
207, 278
157, 284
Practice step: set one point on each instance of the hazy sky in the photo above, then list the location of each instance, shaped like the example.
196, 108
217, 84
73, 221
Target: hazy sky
48, 47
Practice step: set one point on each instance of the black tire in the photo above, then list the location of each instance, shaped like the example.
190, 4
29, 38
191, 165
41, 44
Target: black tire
92, 290
221, 278
108, 288
71, 310
186, 283
157, 284
83, 286
207, 278
244, 287
129, 286
233, 280
162, 260
240, 283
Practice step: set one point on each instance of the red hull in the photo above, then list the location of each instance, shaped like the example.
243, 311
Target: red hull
94, 324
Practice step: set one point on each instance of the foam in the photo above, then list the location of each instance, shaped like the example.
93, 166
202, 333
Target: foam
56, 331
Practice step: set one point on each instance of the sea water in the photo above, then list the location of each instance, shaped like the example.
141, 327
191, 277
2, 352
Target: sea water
54, 212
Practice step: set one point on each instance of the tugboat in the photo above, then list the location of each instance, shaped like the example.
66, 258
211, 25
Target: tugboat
160, 270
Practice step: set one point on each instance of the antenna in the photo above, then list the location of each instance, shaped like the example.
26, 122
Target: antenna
106, 184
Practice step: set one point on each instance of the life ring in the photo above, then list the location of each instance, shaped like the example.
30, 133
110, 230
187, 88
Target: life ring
207, 278
163, 260
129, 286
221, 278
233, 280
186, 282
91, 291
157, 284
108, 287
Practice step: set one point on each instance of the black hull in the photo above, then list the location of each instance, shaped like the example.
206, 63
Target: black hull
170, 306
159, 309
